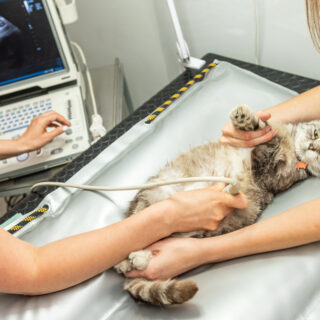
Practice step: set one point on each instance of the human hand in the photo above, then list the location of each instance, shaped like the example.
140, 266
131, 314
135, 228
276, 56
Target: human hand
247, 139
37, 136
170, 257
202, 209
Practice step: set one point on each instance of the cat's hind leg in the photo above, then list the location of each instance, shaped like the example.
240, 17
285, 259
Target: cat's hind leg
244, 119
124, 266
138, 260
160, 292
154, 292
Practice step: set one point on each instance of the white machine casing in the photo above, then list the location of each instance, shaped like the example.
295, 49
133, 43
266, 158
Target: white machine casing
59, 91
70, 73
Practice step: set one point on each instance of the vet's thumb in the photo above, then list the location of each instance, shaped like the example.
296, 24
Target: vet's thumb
238, 201
264, 116
54, 133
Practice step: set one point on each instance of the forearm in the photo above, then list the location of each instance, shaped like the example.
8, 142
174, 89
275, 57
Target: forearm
294, 227
302, 108
67, 262
11, 148
61, 265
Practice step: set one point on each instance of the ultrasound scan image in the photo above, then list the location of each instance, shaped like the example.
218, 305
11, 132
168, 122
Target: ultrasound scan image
11, 47
28, 47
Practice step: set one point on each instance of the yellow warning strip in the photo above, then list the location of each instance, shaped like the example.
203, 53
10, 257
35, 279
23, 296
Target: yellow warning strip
196, 78
28, 219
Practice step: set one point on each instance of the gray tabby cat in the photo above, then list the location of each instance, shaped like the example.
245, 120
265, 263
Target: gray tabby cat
263, 171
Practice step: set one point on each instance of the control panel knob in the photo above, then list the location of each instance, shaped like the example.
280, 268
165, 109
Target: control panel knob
23, 157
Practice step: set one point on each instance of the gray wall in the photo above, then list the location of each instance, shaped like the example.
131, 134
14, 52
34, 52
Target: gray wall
140, 33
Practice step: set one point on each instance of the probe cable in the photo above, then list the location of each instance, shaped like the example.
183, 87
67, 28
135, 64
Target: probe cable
36, 217
233, 186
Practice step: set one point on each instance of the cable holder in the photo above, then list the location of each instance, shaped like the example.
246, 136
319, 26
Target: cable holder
197, 78
183, 51
68, 11
27, 220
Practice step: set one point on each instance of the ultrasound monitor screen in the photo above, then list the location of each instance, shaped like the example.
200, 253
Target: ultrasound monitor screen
27, 45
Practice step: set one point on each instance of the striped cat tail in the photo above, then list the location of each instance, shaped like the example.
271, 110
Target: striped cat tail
161, 292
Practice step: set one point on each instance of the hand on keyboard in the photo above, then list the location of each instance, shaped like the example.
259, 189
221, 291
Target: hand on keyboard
37, 136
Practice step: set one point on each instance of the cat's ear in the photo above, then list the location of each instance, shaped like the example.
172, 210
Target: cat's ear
260, 156
266, 158
280, 161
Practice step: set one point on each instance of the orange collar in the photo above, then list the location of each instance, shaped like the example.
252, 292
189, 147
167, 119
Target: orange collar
301, 165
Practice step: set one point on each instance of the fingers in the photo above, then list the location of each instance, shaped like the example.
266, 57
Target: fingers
53, 125
261, 137
135, 274
54, 133
238, 201
51, 116
245, 139
218, 187
230, 131
229, 201
264, 116
264, 138
49, 119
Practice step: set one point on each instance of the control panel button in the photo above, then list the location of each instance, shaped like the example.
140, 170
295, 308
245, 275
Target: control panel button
75, 146
69, 141
68, 132
39, 152
23, 157
70, 115
5, 161
80, 138
56, 151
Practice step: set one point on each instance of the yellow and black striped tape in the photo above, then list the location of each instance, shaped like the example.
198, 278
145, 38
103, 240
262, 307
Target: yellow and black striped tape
33, 216
197, 78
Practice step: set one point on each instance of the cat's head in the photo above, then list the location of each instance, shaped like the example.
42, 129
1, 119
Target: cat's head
307, 145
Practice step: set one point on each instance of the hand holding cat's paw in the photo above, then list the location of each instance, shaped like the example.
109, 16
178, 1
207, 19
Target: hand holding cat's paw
247, 139
171, 257
244, 119
140, 259
124, 266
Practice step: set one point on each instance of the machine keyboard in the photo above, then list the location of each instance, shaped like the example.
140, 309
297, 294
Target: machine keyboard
15, 118
20, 117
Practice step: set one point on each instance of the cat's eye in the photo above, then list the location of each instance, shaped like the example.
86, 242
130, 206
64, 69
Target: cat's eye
311, 147
315, 134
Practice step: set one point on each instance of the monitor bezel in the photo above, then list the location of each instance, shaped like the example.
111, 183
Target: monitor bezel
68, 74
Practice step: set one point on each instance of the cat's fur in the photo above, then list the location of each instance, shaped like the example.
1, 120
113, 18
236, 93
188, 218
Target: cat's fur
262, 171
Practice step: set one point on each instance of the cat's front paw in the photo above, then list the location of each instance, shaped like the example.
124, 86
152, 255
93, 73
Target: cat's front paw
244, 119
140, 259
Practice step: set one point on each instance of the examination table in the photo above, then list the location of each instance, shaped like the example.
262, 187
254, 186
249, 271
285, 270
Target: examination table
282, 285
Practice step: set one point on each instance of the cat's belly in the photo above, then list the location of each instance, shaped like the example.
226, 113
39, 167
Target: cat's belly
227, 162
231, 162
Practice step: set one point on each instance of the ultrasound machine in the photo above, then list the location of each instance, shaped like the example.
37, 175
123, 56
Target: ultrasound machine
38, 73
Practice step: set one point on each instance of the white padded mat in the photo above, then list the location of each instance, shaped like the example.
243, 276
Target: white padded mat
282, 285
